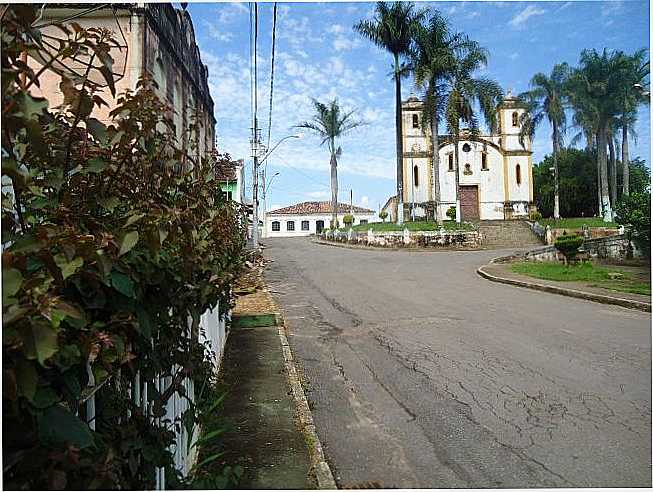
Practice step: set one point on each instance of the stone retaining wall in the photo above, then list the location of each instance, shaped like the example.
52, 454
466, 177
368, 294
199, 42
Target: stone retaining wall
407, 239
611, 247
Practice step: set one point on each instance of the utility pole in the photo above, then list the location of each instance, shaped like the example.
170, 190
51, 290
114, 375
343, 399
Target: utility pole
255, 143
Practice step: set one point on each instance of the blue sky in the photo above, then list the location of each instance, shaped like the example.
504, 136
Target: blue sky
319, 55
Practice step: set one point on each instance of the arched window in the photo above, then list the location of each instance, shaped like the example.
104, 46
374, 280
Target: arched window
415, 121
515, 119
450, 161
484, 162
468, 169
518, 174
467, 147
276, 226
415, 176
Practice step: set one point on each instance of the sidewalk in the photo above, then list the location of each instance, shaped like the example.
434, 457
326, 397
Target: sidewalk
502, 272
266, 439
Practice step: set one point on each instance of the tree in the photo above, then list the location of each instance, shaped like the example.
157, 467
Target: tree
432, 58
634, 212
546, 100
634, 88
594, 90
331, 123
463, 94
383, 215
392, 29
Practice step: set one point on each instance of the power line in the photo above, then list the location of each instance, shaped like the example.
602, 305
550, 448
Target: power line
274, 32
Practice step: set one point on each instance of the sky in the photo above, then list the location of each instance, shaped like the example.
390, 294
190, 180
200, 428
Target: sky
319, 55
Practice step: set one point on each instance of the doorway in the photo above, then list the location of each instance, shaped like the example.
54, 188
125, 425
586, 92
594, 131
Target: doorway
319, 226
469, 202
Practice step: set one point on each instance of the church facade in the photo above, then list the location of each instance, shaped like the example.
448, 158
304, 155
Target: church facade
495, 171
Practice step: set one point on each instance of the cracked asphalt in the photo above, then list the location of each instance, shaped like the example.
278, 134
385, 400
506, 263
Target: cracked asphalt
421, 374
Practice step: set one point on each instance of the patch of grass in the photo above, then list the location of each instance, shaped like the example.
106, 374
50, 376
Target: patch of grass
595, 276
448, 225
577, 223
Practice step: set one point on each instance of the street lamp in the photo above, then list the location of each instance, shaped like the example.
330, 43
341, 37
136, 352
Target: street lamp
266, 187
255, 185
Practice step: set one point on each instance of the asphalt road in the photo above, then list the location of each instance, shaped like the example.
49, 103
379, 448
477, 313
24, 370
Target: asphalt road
422, 374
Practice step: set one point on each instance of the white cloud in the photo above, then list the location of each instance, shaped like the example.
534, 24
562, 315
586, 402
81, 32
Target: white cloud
365, 201
336, 29
530, 11
513, 56
216, 33
473, 14
611, 7
318, 194
228, 12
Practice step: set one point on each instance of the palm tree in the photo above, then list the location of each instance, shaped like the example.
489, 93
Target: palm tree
434, 52
634, 94
331, 123
594, 90
546, 100
392, 29
463, 93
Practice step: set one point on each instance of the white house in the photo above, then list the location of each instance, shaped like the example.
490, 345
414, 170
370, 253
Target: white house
495, 171
303, 219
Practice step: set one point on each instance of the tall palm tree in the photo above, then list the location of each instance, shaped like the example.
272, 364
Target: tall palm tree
594, 90
433, 55
463, 94
546, 100
330, 123
635, 81
392, 29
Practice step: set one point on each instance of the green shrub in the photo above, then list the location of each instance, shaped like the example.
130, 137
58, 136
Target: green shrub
569, 245
383, 215
634, 213
536, 216
348, 220
451, 213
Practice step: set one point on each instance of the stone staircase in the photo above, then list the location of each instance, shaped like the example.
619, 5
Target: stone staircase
507, 234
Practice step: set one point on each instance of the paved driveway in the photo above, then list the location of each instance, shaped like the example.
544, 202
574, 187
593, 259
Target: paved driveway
422, 374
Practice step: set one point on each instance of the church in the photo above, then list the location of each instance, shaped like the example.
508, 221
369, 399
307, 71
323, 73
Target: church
495, 171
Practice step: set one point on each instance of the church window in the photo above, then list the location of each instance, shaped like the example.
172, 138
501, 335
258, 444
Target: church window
416, 176
450, 158
290, 225
484, 162
518, 174
515, 119
468, 169
466, 148
276, 226
415, 121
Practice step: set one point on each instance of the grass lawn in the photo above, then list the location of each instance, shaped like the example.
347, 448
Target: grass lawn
448, 225
577, 223
594, 276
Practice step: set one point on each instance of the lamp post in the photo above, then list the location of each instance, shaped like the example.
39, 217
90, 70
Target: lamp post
265, 202
257, 161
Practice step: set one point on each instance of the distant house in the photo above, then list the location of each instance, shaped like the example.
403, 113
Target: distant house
230, 175
391, 208
303, 219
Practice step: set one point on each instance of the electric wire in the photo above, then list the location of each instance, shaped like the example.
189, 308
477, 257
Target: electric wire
274, 29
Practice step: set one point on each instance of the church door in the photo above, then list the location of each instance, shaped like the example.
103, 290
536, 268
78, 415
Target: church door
469, 202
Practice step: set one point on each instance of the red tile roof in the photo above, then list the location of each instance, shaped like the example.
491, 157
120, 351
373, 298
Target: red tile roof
306, 208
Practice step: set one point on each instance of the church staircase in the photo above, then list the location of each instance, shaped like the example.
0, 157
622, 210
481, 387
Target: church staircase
507, 234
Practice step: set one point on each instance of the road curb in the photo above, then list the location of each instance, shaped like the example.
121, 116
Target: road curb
383, 248
553, 289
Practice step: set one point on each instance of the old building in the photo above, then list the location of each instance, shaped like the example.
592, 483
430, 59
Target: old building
230, 174
303, 219
495, 170
155, 40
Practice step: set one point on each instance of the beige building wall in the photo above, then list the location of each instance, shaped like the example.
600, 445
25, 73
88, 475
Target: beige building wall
144, 51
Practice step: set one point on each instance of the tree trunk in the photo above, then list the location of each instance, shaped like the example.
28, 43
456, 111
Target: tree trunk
603, 169
613, 169
625, 159
400, 144
334, 191
435, 149
556, 177
456, 139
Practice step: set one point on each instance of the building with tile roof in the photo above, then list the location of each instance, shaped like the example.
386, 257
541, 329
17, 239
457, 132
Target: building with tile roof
306, 218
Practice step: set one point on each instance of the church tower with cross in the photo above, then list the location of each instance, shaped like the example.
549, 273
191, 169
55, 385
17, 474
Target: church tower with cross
495, 170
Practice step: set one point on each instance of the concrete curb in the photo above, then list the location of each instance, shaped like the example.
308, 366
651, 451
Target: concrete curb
383, 248
320, 468
603, 299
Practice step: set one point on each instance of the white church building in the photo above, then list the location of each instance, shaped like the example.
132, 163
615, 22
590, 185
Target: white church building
495, 171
